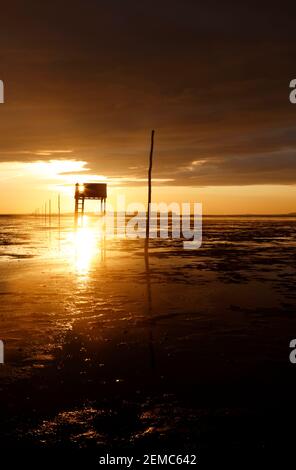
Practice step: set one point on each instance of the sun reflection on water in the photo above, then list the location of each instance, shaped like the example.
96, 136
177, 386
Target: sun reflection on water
85, 244
85, 249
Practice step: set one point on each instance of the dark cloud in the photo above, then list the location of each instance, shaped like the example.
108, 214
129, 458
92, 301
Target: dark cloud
95, 76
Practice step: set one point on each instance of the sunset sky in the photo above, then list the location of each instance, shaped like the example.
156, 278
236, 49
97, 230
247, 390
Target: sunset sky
86, 81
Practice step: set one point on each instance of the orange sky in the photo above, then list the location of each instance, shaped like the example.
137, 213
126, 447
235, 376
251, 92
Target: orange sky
27, 186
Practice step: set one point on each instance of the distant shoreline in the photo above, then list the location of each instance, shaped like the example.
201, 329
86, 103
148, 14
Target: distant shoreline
69, 214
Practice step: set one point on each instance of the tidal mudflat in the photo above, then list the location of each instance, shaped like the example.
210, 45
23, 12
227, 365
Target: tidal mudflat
187, 350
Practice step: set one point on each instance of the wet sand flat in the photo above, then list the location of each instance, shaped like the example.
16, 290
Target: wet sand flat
108, 351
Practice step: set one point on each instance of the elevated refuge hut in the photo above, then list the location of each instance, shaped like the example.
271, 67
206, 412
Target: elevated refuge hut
97, 191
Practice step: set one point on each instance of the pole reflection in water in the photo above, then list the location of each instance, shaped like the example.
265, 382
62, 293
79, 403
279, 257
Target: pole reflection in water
150, 320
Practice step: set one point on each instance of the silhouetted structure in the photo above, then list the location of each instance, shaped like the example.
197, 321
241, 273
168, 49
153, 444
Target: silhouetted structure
96, 191
149, 185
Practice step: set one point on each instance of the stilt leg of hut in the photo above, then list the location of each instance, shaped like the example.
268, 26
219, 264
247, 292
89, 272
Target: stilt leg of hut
76, 208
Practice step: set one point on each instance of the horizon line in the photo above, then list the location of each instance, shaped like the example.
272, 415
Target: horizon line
246, 214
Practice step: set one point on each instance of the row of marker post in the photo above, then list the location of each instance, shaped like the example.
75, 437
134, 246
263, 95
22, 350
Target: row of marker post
46, 212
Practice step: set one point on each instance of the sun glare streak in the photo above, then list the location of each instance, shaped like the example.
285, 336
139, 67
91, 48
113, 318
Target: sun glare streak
85, 250
84, 244
59, 169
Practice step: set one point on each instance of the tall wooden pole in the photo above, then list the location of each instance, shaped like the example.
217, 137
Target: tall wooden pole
49, 211
149, 185
59, 208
